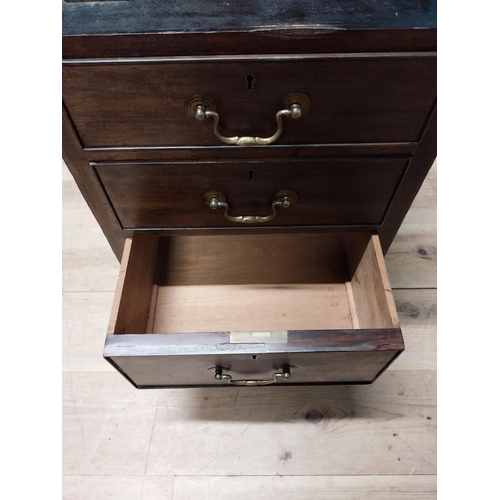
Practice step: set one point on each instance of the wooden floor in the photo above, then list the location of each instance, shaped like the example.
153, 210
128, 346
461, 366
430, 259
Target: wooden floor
374, 442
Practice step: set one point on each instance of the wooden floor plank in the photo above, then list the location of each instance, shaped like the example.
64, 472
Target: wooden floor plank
385, 428
118, 487
305, 488
87, 260
87, 266
417, 311
412, 258
85, 322
107, 425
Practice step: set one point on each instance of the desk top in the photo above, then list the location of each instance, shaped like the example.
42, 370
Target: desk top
86, 17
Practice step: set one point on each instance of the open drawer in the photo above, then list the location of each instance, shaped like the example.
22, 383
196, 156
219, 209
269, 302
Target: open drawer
253, 310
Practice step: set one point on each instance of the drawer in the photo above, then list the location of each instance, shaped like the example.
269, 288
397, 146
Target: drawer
239, 310
375, 98
327, 191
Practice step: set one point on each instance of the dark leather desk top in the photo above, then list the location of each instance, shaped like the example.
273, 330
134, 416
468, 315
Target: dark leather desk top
151, 16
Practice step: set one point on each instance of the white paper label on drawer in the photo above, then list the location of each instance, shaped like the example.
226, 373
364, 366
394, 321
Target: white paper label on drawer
274, 337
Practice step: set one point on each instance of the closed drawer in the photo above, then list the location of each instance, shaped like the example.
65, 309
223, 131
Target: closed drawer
353, 98
328, 192
238, 310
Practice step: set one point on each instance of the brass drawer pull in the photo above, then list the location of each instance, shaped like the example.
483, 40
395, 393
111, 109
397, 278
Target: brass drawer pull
295, 106
285, 199
284, 374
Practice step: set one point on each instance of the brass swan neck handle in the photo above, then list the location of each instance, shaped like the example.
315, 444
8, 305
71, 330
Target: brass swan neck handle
284, 198
294, 106
294, 112
284, 374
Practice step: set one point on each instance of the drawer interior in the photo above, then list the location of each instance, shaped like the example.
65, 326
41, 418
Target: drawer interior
257, 283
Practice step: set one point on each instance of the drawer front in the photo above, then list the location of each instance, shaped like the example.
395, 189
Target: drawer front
350, 357
238, 310
329, 192
353, 99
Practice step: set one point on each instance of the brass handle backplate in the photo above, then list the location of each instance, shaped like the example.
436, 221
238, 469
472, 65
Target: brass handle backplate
285, 374
295, 106
285, 198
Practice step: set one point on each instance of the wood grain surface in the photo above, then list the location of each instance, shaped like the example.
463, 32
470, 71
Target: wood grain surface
346, 442
388, 99
330, 191
261, 41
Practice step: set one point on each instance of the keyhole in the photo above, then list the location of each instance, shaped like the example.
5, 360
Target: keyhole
250, 175
250, 82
